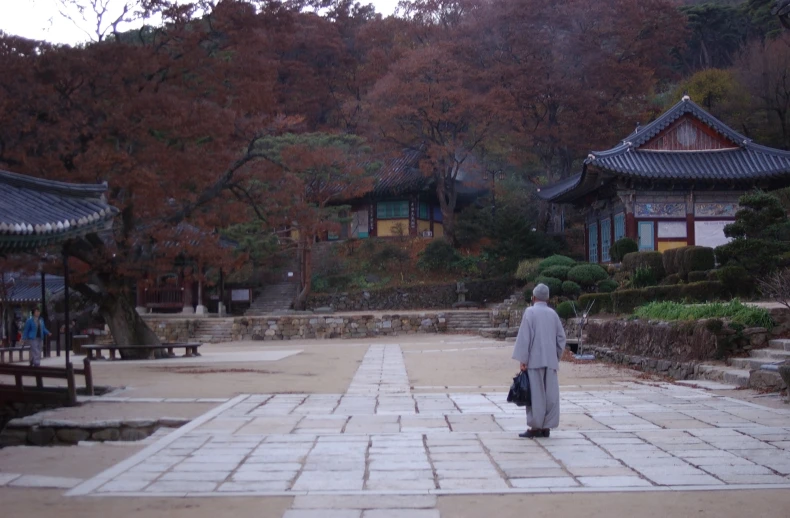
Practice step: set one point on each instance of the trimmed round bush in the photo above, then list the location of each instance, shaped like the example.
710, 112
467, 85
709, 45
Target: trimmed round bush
556, 260
621, 248
565, 310
607, 286
671, 259
587, 275
571, 289
643, 277
697, 276
555, 285
652, 260
558, 272
713, 275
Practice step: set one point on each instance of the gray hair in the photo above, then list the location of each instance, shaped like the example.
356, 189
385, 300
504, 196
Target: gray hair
541, 292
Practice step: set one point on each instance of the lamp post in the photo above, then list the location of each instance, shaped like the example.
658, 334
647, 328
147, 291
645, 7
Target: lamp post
495, 176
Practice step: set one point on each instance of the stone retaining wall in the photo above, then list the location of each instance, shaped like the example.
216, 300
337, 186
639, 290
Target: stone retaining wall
39, 431
322, 327
430, 296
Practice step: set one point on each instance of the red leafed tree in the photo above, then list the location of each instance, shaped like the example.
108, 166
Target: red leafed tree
433, 99
168, 117
312, 174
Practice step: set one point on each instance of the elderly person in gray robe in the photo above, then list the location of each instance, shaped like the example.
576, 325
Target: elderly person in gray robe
539, 347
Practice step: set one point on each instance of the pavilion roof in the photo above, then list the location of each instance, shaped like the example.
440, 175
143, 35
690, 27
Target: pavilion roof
740, 161
20, 289
35, 212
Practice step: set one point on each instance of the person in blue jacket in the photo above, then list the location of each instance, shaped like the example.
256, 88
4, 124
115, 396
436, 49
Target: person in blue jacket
33, 335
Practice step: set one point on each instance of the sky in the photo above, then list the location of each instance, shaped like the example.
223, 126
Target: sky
41, 19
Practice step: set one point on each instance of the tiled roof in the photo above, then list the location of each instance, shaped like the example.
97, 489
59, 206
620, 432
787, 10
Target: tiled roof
400, 174
745, 162
35, 212
21, 289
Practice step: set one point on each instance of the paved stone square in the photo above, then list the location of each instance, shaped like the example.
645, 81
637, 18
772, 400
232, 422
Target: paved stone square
382, 438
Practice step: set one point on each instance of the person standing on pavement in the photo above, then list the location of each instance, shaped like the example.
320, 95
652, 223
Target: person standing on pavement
33, 335
539, 347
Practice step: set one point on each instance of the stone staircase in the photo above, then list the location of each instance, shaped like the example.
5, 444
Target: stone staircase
273, 298
467, 321
214, 330
758, 371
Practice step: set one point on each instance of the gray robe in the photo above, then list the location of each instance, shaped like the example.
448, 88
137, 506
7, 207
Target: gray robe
539, 345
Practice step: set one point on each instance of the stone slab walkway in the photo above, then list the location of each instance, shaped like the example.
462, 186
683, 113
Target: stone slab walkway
381, 440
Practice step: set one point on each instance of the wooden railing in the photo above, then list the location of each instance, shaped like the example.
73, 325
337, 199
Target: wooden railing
171, 297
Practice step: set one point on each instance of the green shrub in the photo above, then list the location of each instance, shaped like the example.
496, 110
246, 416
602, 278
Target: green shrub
607, 286
702, 291
555, 285
672, 260
571, 289
625, 301
439, 255
621, 248
565, 310
528, 269
737, 280
643, 277
558, 272
671, 280
759, 256
696, 259
652, 260
713, 275
695, 276
556, 260
601, 302
734, 311
587, 275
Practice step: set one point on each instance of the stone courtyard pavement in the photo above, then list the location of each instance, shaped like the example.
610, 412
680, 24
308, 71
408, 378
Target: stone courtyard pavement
382, 447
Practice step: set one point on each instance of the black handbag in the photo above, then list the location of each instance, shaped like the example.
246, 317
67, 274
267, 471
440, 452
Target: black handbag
520, 393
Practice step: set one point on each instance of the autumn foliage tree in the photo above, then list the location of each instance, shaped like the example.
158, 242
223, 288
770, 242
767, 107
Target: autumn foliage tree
169, 120
303, 190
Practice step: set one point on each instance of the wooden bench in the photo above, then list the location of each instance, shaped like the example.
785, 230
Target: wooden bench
20, 392
11, 350
94, 350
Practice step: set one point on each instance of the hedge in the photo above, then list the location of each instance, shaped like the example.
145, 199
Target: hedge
602, 302
621, 248
652, 260
625, 301
555, 285
587, 275
686, 259
558, 272
737, 280
696, 276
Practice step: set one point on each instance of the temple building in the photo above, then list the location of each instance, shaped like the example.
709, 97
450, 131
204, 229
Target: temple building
671, 183
403, 201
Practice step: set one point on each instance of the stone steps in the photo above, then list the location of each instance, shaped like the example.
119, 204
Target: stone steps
726, 374
214, 330
782, 344
751, 363
275, 297
468, 320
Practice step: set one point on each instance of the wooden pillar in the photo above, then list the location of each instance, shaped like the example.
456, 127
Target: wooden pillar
586, 241
630, 227
599, 254
372, 220
141, 303
690, 234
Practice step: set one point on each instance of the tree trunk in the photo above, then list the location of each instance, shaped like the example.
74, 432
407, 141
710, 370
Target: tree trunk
306, 274
128, 327
448, 196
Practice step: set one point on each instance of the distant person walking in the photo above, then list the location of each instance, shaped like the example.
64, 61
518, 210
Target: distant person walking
539, 347
34, 334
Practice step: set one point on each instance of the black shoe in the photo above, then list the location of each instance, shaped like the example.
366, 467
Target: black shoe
546, 432
531, 434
